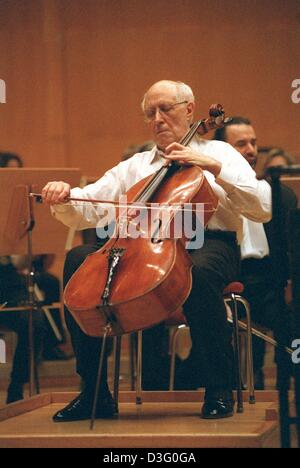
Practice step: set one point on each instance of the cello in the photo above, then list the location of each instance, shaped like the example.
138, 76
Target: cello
133, 283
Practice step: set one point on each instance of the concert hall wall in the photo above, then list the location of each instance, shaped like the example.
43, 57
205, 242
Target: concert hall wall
75, 71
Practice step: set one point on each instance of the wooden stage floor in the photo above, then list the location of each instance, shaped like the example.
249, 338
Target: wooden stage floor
164, 420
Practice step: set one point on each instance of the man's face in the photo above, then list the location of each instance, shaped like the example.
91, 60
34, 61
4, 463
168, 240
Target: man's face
168, 123
243, 139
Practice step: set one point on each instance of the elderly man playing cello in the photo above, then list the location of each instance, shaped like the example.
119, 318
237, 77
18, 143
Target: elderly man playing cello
168, 108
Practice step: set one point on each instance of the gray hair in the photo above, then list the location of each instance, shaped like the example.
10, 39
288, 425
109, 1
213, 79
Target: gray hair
184, 92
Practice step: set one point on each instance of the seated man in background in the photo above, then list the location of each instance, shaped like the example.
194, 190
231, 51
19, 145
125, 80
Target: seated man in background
257, 270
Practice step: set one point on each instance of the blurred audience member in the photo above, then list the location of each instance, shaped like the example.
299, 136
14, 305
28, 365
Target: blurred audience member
10, 160
278, 157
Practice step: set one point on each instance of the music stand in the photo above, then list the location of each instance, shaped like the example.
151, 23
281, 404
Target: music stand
27, 228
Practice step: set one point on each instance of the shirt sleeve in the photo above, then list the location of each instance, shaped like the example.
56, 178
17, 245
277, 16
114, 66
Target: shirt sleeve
249, 197
81, 215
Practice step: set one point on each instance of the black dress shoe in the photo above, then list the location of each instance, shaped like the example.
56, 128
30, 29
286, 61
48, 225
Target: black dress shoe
217, 409
218, 406
81, 408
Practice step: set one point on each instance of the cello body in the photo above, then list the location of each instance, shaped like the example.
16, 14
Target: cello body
135, 283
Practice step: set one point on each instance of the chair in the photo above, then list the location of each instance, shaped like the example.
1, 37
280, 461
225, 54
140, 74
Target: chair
232, 296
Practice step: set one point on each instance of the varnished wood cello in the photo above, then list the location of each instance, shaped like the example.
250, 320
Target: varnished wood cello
135, 283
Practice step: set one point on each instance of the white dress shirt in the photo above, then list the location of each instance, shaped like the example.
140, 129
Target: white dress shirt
254, 243
237, 188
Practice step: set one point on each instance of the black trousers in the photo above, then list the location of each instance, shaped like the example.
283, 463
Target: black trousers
215, 265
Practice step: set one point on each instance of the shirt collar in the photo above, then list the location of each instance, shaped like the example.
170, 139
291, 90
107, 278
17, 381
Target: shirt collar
155, 154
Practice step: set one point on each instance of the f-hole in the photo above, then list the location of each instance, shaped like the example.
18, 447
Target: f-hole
154, 238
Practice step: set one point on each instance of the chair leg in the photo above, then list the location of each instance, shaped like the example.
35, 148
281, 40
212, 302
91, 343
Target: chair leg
36, 377
117, 359
31, 354
250, 372
132, 357
138, 397
240, 407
